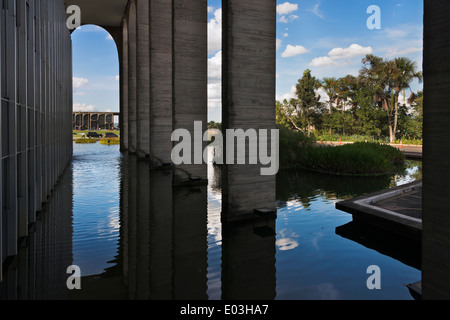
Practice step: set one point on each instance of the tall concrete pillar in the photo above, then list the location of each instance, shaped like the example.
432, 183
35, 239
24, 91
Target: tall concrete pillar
2, 67
161, 81
143, 78
8, 146
436, 164
124, 126
190, 76
248, 84
132, 78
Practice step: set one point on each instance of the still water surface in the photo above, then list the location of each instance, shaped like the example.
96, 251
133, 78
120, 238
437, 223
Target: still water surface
136, 237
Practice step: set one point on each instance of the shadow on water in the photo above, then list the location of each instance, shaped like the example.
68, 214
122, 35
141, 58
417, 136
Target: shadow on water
139, 237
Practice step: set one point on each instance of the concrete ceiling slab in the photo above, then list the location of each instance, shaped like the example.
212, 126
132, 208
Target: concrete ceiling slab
104, 13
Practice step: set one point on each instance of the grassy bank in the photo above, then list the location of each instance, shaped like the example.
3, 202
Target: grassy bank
360, 158
110, 141
361, 138
85, 141
78, 134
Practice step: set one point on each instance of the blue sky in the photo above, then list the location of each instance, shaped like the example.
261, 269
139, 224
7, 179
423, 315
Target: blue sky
329, 37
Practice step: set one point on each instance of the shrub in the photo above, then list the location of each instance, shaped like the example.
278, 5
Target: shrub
290, 143
352, 159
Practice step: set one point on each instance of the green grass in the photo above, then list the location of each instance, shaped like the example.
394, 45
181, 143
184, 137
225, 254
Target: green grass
110, 141
411, 142
352, 138
86, 141
362, 138
360, 158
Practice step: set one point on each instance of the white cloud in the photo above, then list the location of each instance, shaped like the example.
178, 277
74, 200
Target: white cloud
215, 81
215, 67
353, 51
395, 33
109, 37
286, 8
214, 95
215, 32
316, 11
322, 61
287, 96
79, 82
283, 19
292, 51
278, 44
210, 9
117, 77
82, 107
398, 52
290, 18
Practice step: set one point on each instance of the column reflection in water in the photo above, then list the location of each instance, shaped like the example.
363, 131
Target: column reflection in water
248, 261
38, 272
246, 251
163, 234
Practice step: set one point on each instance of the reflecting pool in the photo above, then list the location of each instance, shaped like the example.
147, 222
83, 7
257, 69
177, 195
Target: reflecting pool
134, 236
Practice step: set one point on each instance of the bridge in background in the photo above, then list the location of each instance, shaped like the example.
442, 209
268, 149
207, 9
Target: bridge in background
94, 120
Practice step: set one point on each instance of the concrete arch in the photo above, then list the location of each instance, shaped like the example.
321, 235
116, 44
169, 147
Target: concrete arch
104, 13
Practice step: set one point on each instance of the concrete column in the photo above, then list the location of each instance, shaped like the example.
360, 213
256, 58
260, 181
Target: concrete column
21, 118
9, 147
123, 65
132, 78
436, 164
248, 84
38, 106
31, 102
143, 78
161, 82
190, 75
2, 67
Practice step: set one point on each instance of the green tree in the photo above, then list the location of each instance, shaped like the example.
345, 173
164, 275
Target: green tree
330, 86
308, 103
388, 78
404, 74
282, 114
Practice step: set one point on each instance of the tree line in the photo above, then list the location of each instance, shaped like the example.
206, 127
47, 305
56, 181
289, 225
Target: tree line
369, 104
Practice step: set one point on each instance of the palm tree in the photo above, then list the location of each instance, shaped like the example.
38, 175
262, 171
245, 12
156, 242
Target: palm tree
386, 78
405, 73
